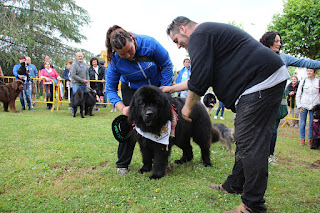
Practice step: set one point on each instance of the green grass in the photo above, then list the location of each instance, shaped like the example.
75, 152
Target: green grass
52, 162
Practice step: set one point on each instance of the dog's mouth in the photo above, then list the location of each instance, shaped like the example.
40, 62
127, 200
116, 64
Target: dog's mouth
148, 117
211, 104
316, 120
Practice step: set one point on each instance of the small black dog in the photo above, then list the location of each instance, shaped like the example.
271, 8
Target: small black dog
85, 100
315, 142
226, 135
23, 70
209, 100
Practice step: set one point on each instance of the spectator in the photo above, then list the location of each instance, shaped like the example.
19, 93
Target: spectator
246, 77
184, 74
272, 40
49, 74
221, 107
79, 74
125, 53
46, 59
105, 98
25, 94
291, 92
307, 97
96, 72
33, 74
67, 76
1, 76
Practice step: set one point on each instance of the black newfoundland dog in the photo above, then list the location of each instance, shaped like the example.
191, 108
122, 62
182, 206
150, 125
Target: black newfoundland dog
150, 111
315, 142
85, 100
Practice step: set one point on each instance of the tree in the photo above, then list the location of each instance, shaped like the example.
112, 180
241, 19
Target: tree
299, 27
37, 28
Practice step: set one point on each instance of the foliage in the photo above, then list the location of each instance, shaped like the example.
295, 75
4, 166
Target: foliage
299, 27
236, 25
37, 28
52, 162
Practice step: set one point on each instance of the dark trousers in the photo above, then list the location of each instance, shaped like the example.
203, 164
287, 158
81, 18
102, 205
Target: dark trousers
49, 93
274, 136
256, 115
125, 150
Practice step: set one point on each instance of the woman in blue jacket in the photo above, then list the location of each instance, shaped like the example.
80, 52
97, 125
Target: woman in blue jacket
136, 61
272, 40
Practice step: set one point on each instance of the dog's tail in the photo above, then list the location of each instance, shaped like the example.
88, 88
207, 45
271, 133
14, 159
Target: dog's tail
77, 98
215, 134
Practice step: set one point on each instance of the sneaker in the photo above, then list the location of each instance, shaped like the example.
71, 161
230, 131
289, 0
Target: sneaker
123, 171
221, 118
296, 125
215, 117
302, 142
272, 160
22, 108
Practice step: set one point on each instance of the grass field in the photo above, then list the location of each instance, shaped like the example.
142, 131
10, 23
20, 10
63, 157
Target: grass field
52, 162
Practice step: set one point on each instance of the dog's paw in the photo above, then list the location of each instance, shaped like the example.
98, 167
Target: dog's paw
144, 170
207, 164
182, 160
155, 177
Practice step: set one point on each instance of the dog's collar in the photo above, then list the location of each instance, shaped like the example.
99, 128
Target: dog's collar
167, 131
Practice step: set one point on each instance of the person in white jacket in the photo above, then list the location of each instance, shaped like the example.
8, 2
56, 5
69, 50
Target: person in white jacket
307, 97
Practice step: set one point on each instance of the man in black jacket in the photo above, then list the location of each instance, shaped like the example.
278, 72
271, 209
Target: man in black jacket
249, 79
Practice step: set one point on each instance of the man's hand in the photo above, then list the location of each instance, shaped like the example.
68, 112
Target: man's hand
22, 77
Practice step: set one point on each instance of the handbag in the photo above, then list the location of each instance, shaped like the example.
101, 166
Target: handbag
283, 109
54, 80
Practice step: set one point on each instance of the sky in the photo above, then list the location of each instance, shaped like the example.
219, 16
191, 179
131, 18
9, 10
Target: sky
149, 17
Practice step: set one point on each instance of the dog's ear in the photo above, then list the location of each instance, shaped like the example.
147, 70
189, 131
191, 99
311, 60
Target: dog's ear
15, 85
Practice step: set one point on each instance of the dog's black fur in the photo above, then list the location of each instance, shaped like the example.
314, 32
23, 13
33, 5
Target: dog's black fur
23, 70
226, 135
315, 142
209, 100
150, 110
85, 100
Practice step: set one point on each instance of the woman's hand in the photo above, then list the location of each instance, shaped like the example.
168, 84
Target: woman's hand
301, 109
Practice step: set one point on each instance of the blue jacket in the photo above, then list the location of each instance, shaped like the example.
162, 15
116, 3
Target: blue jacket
15, 71
299, 62
129, 72
178, 79
33, 71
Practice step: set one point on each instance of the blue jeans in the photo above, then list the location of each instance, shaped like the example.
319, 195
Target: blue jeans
221, 107
25, 94
303, 120
76, 87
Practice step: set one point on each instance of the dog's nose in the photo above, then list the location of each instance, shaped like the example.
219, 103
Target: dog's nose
149, 113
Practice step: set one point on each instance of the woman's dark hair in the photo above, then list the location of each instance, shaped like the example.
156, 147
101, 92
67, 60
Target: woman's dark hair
116, 39
268, 38
94, 59
177, 22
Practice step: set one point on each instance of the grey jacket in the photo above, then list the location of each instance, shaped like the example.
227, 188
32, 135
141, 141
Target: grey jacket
79, 73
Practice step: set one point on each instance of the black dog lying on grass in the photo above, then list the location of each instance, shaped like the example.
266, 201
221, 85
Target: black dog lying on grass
156, 115
85, 100
315, 142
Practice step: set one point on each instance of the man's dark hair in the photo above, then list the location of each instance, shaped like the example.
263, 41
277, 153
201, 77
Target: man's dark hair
177, 22
22, 57
186, 59
268, 38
